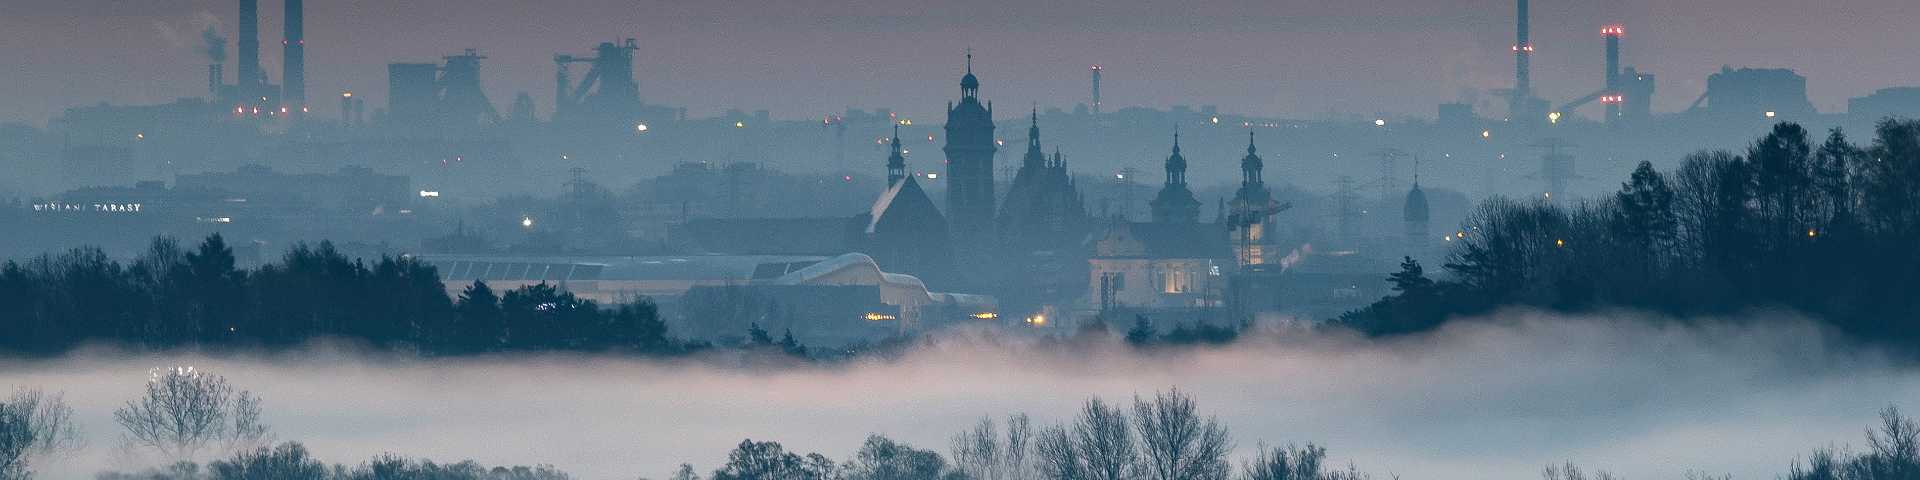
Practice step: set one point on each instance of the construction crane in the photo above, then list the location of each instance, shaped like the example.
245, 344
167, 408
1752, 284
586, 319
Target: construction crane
1244, 220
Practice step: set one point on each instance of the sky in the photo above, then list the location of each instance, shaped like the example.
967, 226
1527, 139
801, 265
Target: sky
1493, 399
805, 58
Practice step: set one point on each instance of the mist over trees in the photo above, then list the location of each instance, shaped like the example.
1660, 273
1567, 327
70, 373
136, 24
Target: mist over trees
1822, 226
185, 411
34, 426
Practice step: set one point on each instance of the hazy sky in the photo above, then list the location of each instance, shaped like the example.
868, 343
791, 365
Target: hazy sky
1474, 400
802, 58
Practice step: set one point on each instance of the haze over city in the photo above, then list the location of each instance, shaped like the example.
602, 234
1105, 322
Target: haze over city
1289, 59
999, 240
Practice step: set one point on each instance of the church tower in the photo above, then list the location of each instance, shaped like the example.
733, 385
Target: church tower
1415, 215
969, 150
1252, 206
1175, 203
896, 162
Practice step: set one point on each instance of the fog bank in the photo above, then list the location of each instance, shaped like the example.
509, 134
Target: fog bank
1500, 397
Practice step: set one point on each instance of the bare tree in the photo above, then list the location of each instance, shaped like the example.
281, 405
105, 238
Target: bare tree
185, 410
1569, 471
983, 454
1286, 463
977, 452
1175, 443
1104, 443
1055, 456
1018, 454
34, 426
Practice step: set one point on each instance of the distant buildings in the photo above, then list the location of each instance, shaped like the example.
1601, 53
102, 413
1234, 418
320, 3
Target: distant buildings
1757, 92
823, 301
1887, 102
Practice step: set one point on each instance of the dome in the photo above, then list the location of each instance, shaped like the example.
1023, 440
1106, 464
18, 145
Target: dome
1416, 208
970, 82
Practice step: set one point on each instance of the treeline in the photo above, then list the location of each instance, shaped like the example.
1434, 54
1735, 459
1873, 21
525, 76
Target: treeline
1825, 227
172, 296
292, 461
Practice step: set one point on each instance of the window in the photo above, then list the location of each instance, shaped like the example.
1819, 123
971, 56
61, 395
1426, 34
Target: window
1176, 281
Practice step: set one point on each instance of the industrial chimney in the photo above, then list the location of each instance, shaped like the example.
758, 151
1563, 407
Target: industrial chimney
294, 73
1522, 68
1613, 98
1096, 89
250, 78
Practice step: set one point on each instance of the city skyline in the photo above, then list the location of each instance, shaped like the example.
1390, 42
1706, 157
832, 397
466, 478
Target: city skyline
1227, 54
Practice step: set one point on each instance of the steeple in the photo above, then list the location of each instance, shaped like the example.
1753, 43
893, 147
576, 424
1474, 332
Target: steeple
1033, 127
1251, 166
1034, 158
1175, 203
896, 162
1176, 164
969, 85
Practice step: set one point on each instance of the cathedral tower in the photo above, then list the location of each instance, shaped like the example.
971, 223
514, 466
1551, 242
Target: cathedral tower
969, 150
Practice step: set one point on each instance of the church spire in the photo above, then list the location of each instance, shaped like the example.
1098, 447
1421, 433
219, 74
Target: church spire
1251, 166
1176, 164
896, 161
1033, 127
969, 85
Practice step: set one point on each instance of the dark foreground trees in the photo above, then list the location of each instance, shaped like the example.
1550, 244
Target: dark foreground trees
175, 297
1817, 225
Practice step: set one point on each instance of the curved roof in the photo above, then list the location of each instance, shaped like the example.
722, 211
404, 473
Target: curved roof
860, 270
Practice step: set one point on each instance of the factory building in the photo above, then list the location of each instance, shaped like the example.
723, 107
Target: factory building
1886, 102
1756, 92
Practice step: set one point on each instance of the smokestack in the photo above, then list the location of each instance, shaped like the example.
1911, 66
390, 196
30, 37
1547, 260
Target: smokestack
294, 69
1096, 89
249, 75
1522, 69
1613, 34
214, 77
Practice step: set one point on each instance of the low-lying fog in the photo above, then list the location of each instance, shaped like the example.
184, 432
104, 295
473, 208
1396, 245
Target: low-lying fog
1500, 398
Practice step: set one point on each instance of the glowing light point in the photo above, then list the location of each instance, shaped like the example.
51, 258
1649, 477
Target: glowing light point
640, 127
526, 222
